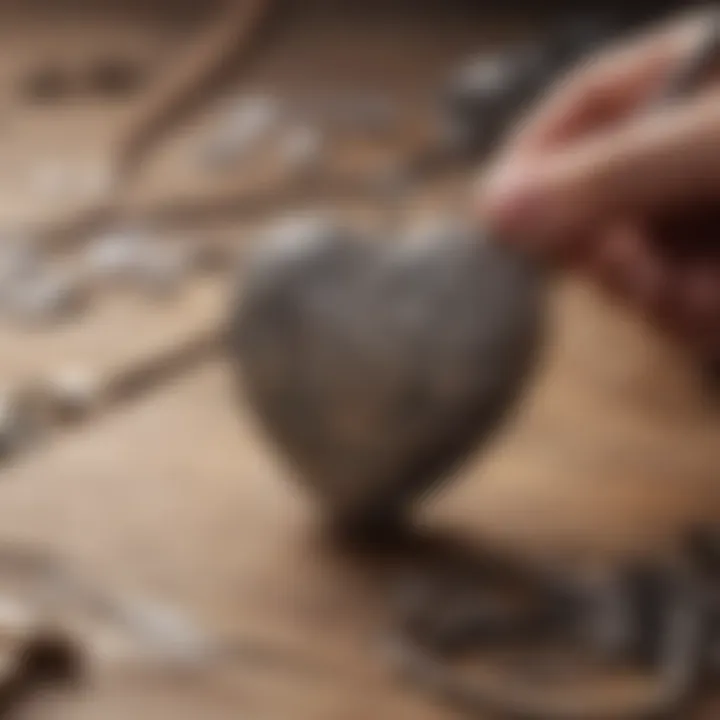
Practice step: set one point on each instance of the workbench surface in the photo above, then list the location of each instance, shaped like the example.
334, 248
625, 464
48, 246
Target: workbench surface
177, 493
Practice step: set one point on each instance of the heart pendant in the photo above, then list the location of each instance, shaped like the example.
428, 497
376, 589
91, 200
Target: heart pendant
378, 368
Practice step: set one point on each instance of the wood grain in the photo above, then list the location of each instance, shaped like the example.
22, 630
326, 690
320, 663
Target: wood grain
179, 495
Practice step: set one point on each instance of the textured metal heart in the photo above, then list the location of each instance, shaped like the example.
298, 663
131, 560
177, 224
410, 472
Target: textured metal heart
377, 368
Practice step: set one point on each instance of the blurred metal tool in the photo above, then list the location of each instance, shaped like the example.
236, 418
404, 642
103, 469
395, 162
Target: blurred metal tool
697, 69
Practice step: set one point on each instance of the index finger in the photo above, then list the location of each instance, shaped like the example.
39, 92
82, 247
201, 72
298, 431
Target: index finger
609, 86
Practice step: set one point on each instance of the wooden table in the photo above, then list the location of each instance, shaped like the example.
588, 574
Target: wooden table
177, 494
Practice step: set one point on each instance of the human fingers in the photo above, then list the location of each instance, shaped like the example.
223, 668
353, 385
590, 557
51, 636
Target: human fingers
607, 86
671, 157
682, 298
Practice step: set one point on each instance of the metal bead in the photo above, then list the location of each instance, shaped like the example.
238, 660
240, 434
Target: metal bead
48, 295
114, 257
302, 149
242, 126
162, 267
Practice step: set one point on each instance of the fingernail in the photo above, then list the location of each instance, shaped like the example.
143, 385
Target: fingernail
514, 204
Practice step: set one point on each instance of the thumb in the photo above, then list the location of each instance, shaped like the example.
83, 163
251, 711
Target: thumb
669, 157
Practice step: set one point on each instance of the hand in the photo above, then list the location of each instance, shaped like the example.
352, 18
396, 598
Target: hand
593, 179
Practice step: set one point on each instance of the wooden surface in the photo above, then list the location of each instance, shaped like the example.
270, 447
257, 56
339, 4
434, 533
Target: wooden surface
177, 494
